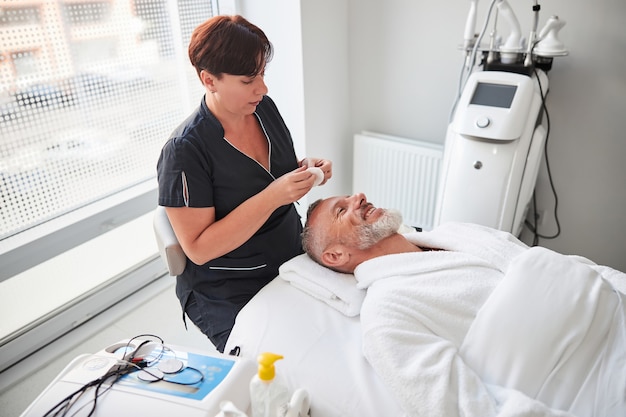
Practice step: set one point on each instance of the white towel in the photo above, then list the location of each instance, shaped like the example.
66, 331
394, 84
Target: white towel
334, 288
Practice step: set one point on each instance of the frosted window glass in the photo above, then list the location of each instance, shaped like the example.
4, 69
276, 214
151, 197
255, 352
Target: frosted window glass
89, 92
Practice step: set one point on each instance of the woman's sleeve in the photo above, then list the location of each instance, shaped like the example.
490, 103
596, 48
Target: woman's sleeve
184, 176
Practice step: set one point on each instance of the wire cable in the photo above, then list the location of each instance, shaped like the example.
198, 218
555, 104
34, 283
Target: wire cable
533, 227
63, 406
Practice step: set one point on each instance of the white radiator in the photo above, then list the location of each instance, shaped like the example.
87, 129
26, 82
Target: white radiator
398, 173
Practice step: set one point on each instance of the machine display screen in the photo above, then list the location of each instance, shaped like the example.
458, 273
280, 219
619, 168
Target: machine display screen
494, 95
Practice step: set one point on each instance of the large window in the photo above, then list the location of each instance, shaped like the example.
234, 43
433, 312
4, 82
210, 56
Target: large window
89, 92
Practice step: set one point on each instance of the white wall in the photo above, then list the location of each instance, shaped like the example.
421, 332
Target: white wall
326, 90
393, 67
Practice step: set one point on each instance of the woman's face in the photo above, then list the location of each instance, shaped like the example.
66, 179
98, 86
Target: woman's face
238, 94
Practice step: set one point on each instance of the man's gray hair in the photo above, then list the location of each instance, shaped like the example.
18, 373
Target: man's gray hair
312, 240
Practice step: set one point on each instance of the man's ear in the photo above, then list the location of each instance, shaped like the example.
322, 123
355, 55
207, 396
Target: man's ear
335, 256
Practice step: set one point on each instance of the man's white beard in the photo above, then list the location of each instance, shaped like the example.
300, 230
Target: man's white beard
387, 225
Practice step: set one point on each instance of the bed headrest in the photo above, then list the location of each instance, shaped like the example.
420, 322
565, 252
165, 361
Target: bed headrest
170, 250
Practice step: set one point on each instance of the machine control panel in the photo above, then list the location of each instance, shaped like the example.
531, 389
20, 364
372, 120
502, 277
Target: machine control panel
494, 105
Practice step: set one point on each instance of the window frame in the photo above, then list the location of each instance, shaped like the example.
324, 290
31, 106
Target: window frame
33, 246
42, 242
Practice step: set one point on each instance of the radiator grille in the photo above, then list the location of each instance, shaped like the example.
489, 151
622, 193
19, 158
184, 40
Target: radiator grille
398, 173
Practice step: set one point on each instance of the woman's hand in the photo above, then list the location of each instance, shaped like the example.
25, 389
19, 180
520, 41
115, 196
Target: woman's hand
324, 164
291, 187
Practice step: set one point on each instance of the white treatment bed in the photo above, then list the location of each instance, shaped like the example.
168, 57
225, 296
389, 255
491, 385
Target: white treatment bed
321, 348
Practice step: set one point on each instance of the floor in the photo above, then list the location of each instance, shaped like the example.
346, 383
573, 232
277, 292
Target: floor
154, 310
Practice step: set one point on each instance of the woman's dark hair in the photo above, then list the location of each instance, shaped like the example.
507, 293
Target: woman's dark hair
229, 45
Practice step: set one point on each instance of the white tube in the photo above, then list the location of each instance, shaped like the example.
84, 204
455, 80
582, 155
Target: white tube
470, 25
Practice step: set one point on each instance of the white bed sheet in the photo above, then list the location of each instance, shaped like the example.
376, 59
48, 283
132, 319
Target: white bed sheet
321, 349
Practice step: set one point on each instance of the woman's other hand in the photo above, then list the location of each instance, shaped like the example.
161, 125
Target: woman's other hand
292, 186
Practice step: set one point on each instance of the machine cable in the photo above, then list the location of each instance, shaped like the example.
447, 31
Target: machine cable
533, 226
63, 407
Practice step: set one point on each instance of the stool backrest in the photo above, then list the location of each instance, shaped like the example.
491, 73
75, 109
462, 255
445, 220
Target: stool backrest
170, 250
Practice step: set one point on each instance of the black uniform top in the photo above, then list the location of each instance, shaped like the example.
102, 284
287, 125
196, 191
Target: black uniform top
198, 167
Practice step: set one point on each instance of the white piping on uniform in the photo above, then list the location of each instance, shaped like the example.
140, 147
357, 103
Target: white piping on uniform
185, 189
269, 144
228, 268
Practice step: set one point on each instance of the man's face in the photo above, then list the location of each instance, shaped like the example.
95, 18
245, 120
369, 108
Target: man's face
354, 222
371, 233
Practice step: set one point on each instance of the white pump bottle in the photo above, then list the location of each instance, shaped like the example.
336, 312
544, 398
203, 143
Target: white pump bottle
268, 396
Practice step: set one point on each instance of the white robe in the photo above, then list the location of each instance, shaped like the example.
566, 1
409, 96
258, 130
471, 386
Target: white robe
419, 309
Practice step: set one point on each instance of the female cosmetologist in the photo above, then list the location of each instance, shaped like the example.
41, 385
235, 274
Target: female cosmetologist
228, 177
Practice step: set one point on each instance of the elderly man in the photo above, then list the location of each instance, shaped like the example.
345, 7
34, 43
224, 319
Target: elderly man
467, 320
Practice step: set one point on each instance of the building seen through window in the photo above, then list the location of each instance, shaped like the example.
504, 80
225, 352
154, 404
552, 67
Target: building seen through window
89, 91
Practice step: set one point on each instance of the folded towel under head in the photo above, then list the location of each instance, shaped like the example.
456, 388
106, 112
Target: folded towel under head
334, 288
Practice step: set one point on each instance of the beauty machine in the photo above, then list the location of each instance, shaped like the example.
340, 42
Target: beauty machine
143, 376
492, 151
495, 139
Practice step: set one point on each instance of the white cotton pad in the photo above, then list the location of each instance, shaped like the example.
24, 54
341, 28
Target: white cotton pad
319, 175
